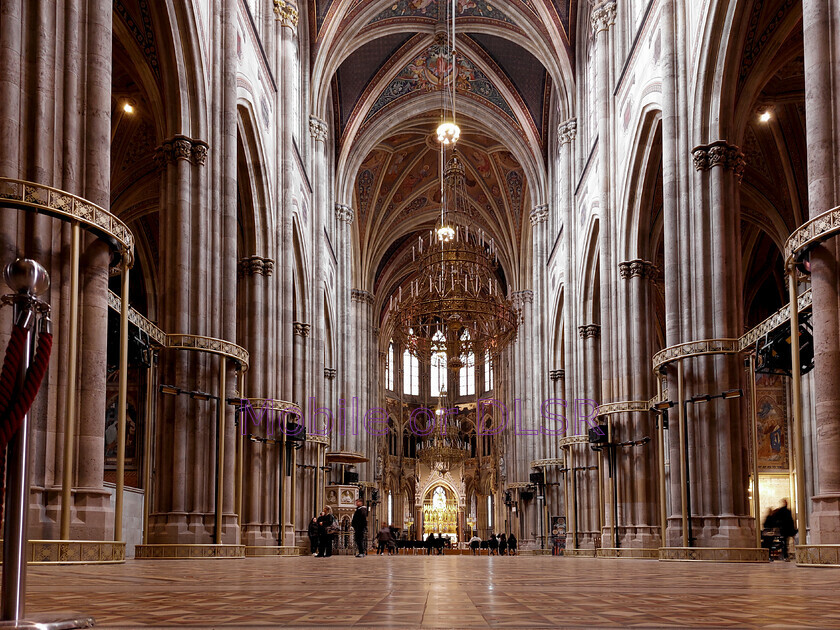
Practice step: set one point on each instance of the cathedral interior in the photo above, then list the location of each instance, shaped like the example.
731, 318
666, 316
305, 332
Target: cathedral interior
520, 267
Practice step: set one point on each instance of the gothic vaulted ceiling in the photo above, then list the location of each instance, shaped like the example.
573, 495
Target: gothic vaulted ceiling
379, 68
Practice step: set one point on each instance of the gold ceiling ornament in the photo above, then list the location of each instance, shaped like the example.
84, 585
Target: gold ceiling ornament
445, 447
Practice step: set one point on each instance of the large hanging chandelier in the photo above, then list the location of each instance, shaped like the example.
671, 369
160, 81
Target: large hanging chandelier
453, 303
445, 447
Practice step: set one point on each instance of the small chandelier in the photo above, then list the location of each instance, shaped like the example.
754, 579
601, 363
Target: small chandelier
448, 133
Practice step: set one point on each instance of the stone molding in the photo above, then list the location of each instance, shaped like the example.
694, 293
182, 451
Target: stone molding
358, 295
557, 375
317, 129
567, 131
330, 373
638, 269
286, 13
344, 213
720, 153
301, 329
255, 265
539, 214
181, 148
590, 331
603, 16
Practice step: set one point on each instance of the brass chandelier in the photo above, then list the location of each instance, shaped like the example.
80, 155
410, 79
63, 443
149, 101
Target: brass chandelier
453, 303
445, 447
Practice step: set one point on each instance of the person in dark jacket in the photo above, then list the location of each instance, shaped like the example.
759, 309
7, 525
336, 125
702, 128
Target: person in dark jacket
325, 538
783, 520
502, 544
430, 544
385, 538
313, 536
439, 543
493, 545
359, 525
511, 541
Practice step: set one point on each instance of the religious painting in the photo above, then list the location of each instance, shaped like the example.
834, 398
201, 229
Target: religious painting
772, 421
132, 426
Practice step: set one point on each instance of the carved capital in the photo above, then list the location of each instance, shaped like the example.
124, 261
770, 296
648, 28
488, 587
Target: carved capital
344, 213
523, 297
539, 214
590, 331
317, 129
638, 269
557, 375
181, 148
255, 265
357, 295
301, 329
720, 153
286, 13
603, 16
567, 131
199, 153
330, 373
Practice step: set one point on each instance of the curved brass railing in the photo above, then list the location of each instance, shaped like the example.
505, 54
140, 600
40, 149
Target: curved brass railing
573, 439
630, 406
26, 195
694, 349
544, 463
200, 343
812, 233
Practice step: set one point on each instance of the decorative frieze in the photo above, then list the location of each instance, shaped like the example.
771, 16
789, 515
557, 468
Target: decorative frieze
557, 375
567, 131
603, 16
590, 331
358, 295
301, 329
286, 13
181, 148
720, 153
539, 214
638, 269
318, 129
344, 213
330, 373
255, 265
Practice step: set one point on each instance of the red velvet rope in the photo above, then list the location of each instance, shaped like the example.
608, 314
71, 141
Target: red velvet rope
14, 407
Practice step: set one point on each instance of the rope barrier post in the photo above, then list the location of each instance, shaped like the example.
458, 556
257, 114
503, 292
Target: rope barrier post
72, 378
121, 403
18, 465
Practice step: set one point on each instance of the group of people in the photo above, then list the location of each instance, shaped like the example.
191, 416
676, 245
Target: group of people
501, 545
436, 544
324, 528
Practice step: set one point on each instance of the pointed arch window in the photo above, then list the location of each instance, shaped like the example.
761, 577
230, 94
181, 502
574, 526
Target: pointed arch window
411, 374
466, 380
488, 371
389, 367
439, 372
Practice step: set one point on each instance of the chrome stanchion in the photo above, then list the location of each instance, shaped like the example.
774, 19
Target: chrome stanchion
28, 280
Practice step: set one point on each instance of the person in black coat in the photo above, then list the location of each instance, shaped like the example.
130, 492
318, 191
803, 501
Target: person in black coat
493, 545
502, 544
430, 544
511, 541
313, 536
325, 538
359, 525
783, 520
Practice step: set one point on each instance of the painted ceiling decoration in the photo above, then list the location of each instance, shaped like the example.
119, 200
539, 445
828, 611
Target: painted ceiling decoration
435, 11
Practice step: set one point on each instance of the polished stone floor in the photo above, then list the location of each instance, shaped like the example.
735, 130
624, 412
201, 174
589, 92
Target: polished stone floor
439, 592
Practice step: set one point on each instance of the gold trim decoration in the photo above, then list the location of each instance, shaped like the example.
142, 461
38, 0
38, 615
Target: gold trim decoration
714, 554
274, 405
811, 233
518, 485
75, 552
694, 349
155, 333
200, 343
187, 552
636, 553
630, 406
63, 205
573, 439
818, 555
263, 552
779, 318
318, 439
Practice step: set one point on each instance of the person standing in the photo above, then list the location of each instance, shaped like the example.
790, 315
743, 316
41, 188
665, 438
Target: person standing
384, 538
783, 519
502, 544
511, 541
326, 527
359, 525
475, 543
313, 536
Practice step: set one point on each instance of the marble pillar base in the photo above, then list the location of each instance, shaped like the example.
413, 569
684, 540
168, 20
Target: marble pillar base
191, 528
818, 555
825, 520
259, 535
646, 553
261, 551
74, 552
184, 552
714, 554
714, 531
91, 517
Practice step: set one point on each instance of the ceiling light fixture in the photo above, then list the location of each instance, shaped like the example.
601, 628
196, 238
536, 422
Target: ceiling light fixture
765, 117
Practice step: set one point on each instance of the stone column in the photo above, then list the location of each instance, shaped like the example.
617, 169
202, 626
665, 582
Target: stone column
821, 26
589, 521
567, 132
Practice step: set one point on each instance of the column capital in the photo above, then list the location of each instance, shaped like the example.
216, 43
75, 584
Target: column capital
344, 213
330, 373
557, 375
638, 269
358, 295
286, 13
180, 147
603, 15
317, 129
539, 214
590, 331
720, 153
523, 297
301, 329
255, 265
567, 131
